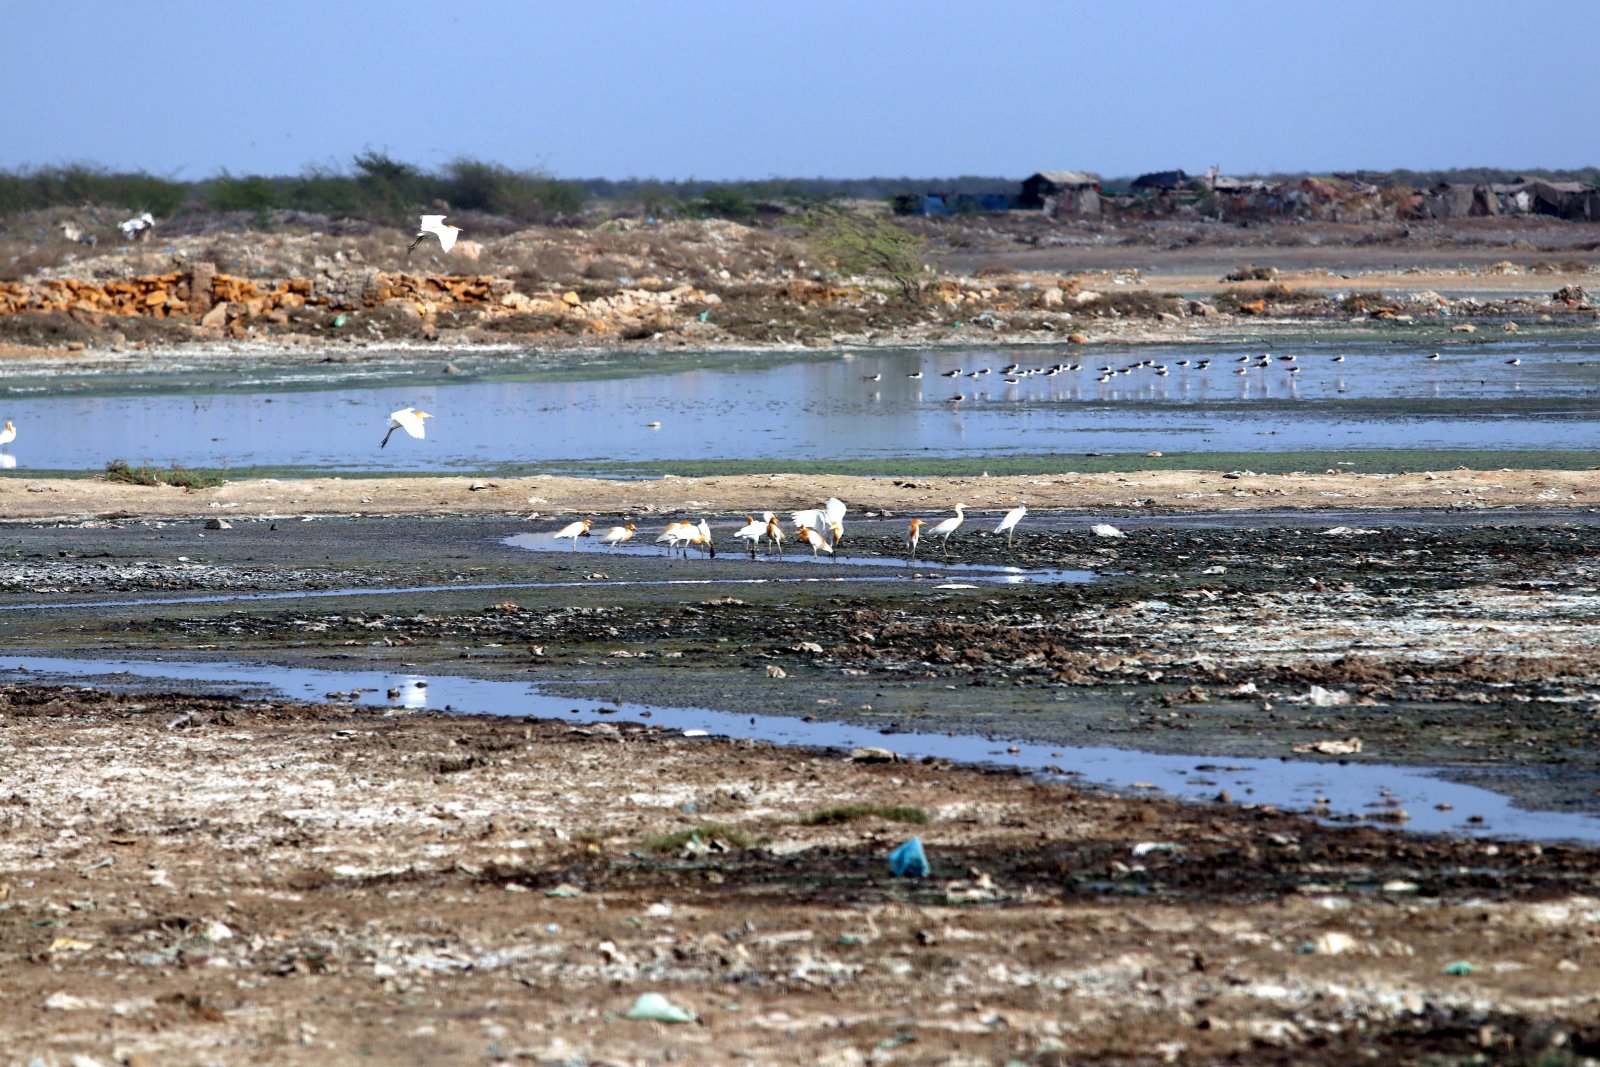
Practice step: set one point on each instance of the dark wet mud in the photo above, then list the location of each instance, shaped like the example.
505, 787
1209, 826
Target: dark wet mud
1465, 642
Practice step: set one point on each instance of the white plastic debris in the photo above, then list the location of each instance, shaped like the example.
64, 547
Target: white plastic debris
657, 1008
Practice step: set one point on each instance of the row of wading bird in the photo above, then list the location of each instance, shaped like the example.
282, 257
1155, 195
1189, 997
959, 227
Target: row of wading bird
819, 529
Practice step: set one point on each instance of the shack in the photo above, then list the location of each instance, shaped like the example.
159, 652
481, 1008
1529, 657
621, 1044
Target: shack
1061, 193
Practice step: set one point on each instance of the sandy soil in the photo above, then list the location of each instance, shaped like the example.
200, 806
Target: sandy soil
47, 498
199, 880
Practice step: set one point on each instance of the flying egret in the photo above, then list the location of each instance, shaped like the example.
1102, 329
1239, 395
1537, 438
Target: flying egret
574, 530
407, 419
833, 509
817, 542
811, 517
614, 536
1008, 525
435, 225
913, 536
8, 434
948, 527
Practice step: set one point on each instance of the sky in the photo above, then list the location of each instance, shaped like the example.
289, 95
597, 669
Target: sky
721, 90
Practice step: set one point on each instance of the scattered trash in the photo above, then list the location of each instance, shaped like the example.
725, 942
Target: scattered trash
1348, 747
1333, 943
1144, 848
1345, 531
1457, 968
1328, 698
775, 671
657, 1008
909, 861
64, 1002
563, 890
872, 755
1105, 529
70, 944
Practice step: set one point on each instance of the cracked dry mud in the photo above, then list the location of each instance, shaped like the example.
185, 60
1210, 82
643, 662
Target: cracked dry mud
328, 884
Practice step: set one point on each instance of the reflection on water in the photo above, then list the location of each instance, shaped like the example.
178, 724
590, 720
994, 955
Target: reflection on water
1350, 789
864, 405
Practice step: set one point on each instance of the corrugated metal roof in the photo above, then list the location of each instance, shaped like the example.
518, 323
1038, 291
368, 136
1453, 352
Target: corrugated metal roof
1069, 177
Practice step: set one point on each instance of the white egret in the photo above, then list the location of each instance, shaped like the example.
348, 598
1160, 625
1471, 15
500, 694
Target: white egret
407, 419
8, 434
948, 527
774, 534
614, 536
811, 517
573, 530
753, 531
1008, 525
676, 534
435, 225
811, 537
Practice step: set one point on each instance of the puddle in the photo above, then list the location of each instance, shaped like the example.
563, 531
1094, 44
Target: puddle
905, 569
1351, 790
1382, 396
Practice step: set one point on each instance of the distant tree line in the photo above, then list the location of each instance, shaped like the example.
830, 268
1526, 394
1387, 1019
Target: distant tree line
380, 188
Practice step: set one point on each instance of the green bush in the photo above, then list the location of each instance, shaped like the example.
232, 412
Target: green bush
118, 470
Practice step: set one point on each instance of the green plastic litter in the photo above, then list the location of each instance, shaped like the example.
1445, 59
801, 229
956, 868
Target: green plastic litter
340, 320
1458, 967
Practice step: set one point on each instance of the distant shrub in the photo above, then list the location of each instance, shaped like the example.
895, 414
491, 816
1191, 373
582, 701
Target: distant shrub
1233, 299
726, 202
252, 193
1251, 273
76, 185
1366, 300
118, 470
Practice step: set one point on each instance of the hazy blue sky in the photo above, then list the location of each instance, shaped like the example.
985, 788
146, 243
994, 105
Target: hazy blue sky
763, 88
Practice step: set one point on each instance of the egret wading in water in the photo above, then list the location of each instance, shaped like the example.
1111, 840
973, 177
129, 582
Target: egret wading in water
8, 434
948, 527
752, 531
775, 535
1008, 525
677, 534
407, 419
574, 530
434, 225
811, 537
614, 536
913, 536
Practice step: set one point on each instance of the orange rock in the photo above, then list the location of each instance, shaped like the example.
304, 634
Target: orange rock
1253, 307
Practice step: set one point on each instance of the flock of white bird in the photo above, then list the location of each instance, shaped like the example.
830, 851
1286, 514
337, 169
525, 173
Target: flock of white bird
819, 529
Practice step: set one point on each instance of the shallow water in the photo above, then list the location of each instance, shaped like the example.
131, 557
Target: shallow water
811, 408
883, 567
1352, 790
